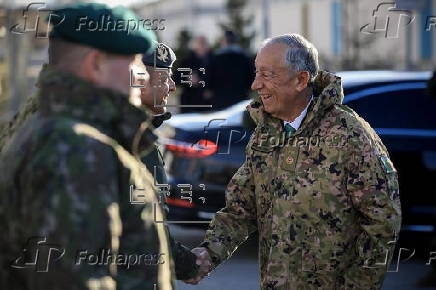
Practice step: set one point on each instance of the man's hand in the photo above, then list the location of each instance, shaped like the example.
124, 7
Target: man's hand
204, 262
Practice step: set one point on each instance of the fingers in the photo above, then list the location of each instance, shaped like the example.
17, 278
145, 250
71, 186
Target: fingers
204, 262
193, 281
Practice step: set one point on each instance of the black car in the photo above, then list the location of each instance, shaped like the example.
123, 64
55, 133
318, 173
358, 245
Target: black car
204, 150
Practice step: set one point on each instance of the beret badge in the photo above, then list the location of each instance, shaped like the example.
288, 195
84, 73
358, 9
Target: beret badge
162, 53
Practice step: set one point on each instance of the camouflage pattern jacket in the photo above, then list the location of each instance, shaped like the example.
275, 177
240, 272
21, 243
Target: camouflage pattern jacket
184, 260
66, 177
324, 201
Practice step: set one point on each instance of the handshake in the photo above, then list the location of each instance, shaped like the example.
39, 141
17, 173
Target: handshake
204, 262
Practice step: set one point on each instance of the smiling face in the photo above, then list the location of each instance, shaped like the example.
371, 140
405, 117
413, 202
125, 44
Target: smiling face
155, 95
278, 87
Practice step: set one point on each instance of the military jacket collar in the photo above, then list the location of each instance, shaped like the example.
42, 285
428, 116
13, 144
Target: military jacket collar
63, 94
327, 92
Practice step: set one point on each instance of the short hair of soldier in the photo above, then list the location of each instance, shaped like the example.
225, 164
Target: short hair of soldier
68, 55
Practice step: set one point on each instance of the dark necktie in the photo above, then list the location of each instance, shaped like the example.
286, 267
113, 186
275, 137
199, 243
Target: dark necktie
289, 129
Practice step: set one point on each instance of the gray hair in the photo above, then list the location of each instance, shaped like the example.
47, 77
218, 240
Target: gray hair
301, 55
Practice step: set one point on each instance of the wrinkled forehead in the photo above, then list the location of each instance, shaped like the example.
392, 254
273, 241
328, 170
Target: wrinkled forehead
271, 55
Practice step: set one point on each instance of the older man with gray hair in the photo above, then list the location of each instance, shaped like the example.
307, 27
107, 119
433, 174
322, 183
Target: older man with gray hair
325, 199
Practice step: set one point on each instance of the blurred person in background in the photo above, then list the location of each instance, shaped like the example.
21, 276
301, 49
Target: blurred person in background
68, 166
198, 58
230, 73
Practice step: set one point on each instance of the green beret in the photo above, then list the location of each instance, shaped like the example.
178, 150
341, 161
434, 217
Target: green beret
115, 30
162, 57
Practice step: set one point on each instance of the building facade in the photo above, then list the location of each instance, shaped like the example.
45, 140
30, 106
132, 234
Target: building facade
349, 34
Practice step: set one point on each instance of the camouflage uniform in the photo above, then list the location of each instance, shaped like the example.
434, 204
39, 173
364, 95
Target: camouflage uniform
66, 176
7, 129
326, 204
184, 260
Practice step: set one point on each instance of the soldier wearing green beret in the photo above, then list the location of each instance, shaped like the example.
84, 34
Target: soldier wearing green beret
70, 168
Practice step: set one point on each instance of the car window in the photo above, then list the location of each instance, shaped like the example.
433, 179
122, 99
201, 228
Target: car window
409, 107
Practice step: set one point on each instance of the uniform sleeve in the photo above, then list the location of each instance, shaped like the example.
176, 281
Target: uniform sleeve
70, 191
233, 224
373, 187
8, 129
184, 260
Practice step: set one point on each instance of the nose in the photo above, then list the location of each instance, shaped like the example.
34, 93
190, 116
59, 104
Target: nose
256, 85
172, 85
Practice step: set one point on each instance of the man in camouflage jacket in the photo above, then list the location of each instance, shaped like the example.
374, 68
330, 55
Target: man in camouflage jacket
324, 199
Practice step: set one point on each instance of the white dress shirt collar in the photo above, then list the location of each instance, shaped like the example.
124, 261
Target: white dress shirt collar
297, 122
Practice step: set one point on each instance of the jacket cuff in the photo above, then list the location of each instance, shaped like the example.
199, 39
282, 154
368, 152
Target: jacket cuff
185, 262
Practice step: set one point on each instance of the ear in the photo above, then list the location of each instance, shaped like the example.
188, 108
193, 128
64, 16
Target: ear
92, 66
303, 78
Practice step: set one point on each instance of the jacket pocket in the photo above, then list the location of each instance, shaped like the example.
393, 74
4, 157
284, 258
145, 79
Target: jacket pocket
288, 159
